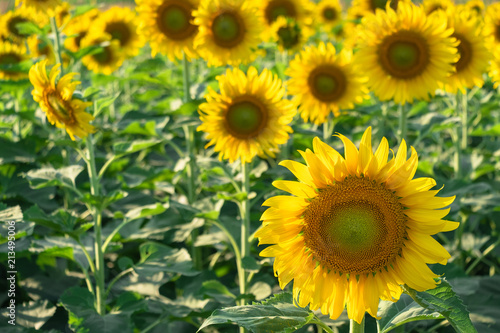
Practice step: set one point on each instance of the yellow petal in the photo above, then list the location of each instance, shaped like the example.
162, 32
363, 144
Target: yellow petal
299, 189
365, 151
300, 171
351, 154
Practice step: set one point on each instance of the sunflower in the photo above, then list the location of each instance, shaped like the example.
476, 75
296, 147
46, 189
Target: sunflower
328, 14
249, 117
167, 25
43, 6
62, 14
11, 55
106, 60
474, 55
494, 70
323, 82
357, 228
229, 31
56, 100
271, 10
364, 7
404, 53
121, 24
433, 6
39, 48
476, 6
492, 25
289, 34
10, 20
77, 28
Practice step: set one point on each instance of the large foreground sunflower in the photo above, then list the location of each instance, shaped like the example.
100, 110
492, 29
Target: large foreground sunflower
405, 53
168, 26
357, 228
56, 100
249, 117
11, 55
121, 24
323, 82
474, 55
229, 31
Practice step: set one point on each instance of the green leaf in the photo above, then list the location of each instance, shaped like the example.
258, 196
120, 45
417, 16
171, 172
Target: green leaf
146, 211
34, 314
83, 318
405, 310
11, 214
103, 103
277, 314
443, 299
130, 147
492, 131
216, 290
45, 177
22, 151
157, 257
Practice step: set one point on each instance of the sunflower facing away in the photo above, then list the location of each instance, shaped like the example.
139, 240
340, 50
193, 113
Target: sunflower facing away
168, 26
249, 117
121, 24
474, 55
229, 31
56, 100
10, 55
323, 82
357, 228
404, 53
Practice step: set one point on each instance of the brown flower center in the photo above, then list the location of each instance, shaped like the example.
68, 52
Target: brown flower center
404, 54
327, 83
60, 108
174, 19
277, 8
246, 117
119, 31
330, 14
355, 226
464, 51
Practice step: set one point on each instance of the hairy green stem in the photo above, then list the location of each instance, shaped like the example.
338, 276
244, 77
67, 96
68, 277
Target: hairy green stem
245, 222
465, 121
354, 327
57, 43
321, 325
99, 255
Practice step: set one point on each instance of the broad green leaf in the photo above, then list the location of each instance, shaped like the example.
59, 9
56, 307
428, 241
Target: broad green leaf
405, 310
83, 318
157, 257
16, 151
146, 211
60, 220
104, 102
277, 314
44, 177
148, 129
217, 291
130, 147
11, 214
34, 314
443, 299
492, 131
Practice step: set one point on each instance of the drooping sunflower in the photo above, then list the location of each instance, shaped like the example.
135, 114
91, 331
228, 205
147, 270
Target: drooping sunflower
229, 31
56, 100
249, 117
433, 6
10, 20
356, 228
328, 14
404, 53
168, 26
322, 81
299, 10
290, 34
474, 55
108, 59
43, 6
12, 54
77, 28
121, 24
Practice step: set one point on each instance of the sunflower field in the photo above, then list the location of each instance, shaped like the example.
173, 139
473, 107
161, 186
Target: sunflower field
249, 166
